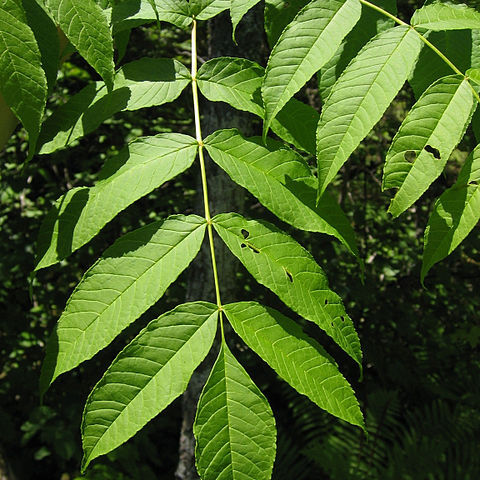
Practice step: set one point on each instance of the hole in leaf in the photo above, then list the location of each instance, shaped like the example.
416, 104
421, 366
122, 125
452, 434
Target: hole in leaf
243, 245
332, 324
289, 275
254, 249
433, 151
326, 301
245, 233
342, 318
410, 156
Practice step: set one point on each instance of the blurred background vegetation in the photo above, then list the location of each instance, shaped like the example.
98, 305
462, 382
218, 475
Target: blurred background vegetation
421, 385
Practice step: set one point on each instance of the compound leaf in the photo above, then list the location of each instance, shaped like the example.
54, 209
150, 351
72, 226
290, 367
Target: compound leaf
140, 84
82, 212
238, 81
305, 45
86, 26
297, 358
22, 80
361, 95
454, 215
234, 427
128, 278
426, 138
446, 16
282, 181
285, 267
151, 372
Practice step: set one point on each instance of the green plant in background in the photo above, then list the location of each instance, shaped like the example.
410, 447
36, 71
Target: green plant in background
234, 428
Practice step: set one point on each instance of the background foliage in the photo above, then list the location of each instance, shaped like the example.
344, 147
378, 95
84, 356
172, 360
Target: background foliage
421, 387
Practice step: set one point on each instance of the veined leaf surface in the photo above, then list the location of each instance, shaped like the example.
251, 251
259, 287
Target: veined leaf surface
285, 267
132, 13
282, 181
86, 26
234, 427
82, 212
22, 80
140, 84
446, 16
128, 278
297, 358
426, 138
46, 35
370, 24
238, 81
454, 215
305, 45
361, 96
205, 9
151, 372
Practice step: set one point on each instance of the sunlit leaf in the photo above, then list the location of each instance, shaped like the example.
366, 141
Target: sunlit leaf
147, 376
234, 427
282, 181
128, 278
23, 84
139, 84
281, 264
86, 26
454, 215
446, 16
305, 45
297, 358
426, 138
361, 95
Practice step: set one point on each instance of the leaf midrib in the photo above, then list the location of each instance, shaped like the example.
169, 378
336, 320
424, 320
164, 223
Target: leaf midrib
124, 291
152, 378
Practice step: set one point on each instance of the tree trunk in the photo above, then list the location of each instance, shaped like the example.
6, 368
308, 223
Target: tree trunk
224, 196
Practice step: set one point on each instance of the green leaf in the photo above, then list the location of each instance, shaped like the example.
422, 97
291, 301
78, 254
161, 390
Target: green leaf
370, 24
456, 45
426, 138
22, 80
205, 9
361, 96
282, 181
278, 14
234, 427
140, 84
454, 215
86, 26
139, 168
446, 16
475, 46
297, 358
151, 372
46, 34
304, 47
474, 74
132, 13
285, 267
128, 278
238, 82
238, 8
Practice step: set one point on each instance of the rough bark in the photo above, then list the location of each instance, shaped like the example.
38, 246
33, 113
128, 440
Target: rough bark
224, 196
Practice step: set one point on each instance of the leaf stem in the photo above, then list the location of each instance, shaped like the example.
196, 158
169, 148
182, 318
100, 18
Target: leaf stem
198, 132
424, 40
